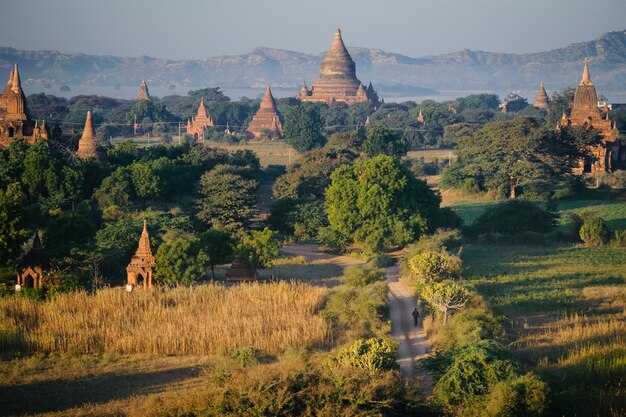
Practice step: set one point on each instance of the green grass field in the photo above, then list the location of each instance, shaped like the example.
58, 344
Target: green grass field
566, 310
614, 212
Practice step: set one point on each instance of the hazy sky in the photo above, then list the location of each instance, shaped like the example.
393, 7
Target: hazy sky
197, 29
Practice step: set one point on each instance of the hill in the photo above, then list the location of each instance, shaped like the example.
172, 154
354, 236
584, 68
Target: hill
462, 70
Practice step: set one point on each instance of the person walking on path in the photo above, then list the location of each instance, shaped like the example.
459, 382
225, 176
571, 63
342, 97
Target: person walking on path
416, 317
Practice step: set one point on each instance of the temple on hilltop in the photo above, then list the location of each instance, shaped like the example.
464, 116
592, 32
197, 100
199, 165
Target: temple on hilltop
14, 123
267, 119
541, 98
338, 81
610, 154
143, 93
88, 145
139, 270
31, 266
199, 123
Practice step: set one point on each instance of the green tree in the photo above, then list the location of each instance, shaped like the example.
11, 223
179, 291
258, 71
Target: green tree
514, 217
226, 198
218, 245
180, 261
504, 156
445, 296
13, 232
259, 248
304, 127
382, 140
378, 203
435, 265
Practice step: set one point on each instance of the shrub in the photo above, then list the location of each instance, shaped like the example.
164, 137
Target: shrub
372, 354
333, 239
514, 217
360, 276
619, 238
469, 326
524, 396
246, 356
471, 372
428, 266
615, 179
594, 231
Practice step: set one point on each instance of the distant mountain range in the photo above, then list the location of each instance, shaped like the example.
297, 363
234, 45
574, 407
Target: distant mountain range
463, 70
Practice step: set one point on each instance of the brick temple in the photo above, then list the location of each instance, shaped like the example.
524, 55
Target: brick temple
14, 123
338, 81
267, 118
139, 270
610, 154
199, 123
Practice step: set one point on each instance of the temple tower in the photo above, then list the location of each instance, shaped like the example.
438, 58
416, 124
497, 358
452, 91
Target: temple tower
14, 123
32, 265
199, 123
610, 154
88, 147
338, 81
139, 270
267, 118
541, 98
143, 93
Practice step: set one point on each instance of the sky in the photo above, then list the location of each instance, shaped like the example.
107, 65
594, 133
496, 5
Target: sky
191, 29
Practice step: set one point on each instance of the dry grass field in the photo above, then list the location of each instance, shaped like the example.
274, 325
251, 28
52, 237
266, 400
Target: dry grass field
432, 155
269, 153
186, 321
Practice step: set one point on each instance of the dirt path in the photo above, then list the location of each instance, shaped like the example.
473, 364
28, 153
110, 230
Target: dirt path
413, 343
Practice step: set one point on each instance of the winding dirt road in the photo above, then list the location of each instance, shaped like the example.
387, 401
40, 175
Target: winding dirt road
413, 343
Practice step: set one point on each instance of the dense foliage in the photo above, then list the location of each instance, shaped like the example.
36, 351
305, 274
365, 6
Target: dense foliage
378, 203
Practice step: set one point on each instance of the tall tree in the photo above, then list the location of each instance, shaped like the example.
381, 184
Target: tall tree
226, 198
219, 247
503, 156
378, 203
13, 232
304, 127
180, 260
381, 139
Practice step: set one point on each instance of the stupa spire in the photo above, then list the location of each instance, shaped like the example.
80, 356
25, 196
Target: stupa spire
143, 93
266, 118
586, 80
87, 146
541, 98
201, 109
16, 82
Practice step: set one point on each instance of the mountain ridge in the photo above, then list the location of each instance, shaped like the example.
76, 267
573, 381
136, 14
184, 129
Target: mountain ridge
464, 69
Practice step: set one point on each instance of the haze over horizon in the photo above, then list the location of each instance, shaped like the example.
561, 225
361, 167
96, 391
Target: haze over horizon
192, 29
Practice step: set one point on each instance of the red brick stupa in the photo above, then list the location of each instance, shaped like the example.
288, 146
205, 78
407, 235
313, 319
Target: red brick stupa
143, 93
267, 119
338, 81
88, 146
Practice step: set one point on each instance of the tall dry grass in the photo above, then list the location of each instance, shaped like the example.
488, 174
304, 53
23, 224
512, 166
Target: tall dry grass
184, 321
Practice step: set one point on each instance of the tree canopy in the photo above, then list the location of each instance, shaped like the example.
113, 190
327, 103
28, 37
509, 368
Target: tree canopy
304, 127
378, 203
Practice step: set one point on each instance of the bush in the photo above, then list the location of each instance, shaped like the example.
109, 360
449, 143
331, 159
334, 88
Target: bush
382, 261
594, 231
469, 375
469, 326
615, 179
372, 354
360, 276
515, 217
246, 356
332, 239
428, 266
524, 396
619, 238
